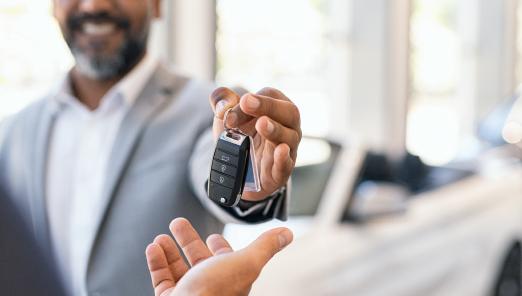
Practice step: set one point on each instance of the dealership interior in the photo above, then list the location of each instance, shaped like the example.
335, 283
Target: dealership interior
408, 178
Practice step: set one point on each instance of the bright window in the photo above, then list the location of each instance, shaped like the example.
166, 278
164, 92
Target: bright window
436, 68
519, 43
281, 44
32, 53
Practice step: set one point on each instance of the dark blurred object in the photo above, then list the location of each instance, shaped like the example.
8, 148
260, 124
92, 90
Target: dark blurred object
309, 181
509, 282
24, 269
409, 171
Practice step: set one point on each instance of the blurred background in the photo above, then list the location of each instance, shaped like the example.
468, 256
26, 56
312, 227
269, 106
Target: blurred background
338, 60
406, 168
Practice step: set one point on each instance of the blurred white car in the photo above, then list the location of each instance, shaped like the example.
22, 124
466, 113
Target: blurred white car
365, 225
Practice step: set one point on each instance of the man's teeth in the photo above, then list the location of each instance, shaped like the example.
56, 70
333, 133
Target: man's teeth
98, 29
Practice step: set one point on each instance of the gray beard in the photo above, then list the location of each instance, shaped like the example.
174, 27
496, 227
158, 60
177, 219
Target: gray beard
98, 68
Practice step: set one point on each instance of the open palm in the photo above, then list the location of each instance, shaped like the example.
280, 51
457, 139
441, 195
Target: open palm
213, 268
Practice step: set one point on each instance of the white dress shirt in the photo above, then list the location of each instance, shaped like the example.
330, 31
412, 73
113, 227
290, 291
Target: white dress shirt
80, 146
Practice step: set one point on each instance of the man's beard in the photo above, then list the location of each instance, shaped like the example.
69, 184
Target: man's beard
107, 66
104, 67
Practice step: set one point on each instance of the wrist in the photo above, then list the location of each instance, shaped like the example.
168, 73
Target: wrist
245, 204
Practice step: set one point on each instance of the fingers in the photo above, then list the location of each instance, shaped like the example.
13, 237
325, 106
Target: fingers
273, 93
267, 102
221, 100
283, 164
160, 274
267, 245
238, 119
267, 163
275, 169
188, 239
276, 166
282, 111
218, 244
176, 264
278, 133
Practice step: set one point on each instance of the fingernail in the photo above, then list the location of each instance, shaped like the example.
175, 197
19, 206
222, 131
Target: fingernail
252, 102
220, 106
231, 119
270, 127
285, 238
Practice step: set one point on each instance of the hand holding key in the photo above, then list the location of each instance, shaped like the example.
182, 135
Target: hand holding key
274, 124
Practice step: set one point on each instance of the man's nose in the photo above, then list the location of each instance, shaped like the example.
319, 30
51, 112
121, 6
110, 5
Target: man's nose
93, 6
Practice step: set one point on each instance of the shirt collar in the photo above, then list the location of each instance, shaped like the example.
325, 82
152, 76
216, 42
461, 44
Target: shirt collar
127, 88
133, 83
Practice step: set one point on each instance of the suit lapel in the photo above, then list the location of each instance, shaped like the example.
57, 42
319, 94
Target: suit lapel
37, 204
155, 95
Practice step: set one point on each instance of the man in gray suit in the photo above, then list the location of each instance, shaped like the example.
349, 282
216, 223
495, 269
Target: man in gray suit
123, 145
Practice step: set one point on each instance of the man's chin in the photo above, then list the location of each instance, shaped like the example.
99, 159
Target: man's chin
99, 68
95, 64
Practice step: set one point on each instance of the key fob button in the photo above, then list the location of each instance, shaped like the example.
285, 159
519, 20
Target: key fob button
224, 168
229, 168
222, 179
226, 158
221, 193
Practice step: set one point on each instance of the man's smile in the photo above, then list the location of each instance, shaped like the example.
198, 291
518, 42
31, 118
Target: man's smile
98, 29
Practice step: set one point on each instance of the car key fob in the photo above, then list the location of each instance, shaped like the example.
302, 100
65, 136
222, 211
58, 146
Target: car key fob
229, 168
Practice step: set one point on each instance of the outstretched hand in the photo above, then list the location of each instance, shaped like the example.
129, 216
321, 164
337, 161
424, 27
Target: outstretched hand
214, 268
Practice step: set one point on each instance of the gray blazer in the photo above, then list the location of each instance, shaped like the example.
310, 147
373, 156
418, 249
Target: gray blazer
157, 171
22, 259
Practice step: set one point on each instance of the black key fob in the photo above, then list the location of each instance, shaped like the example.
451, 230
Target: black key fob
229, 168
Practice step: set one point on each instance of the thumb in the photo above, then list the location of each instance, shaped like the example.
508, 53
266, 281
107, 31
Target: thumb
267, 245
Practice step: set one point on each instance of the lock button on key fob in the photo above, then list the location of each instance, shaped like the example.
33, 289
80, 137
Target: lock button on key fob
229, 168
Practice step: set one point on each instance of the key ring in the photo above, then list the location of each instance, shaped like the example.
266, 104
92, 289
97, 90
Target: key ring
225, 116
226, 128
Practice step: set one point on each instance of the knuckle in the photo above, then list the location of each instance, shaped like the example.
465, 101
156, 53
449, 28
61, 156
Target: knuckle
161, 281
174, 262
268, 91
296, 137
198, 260
266, 181
190, 245
278, 131
295, 114
267, 106
295, 111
